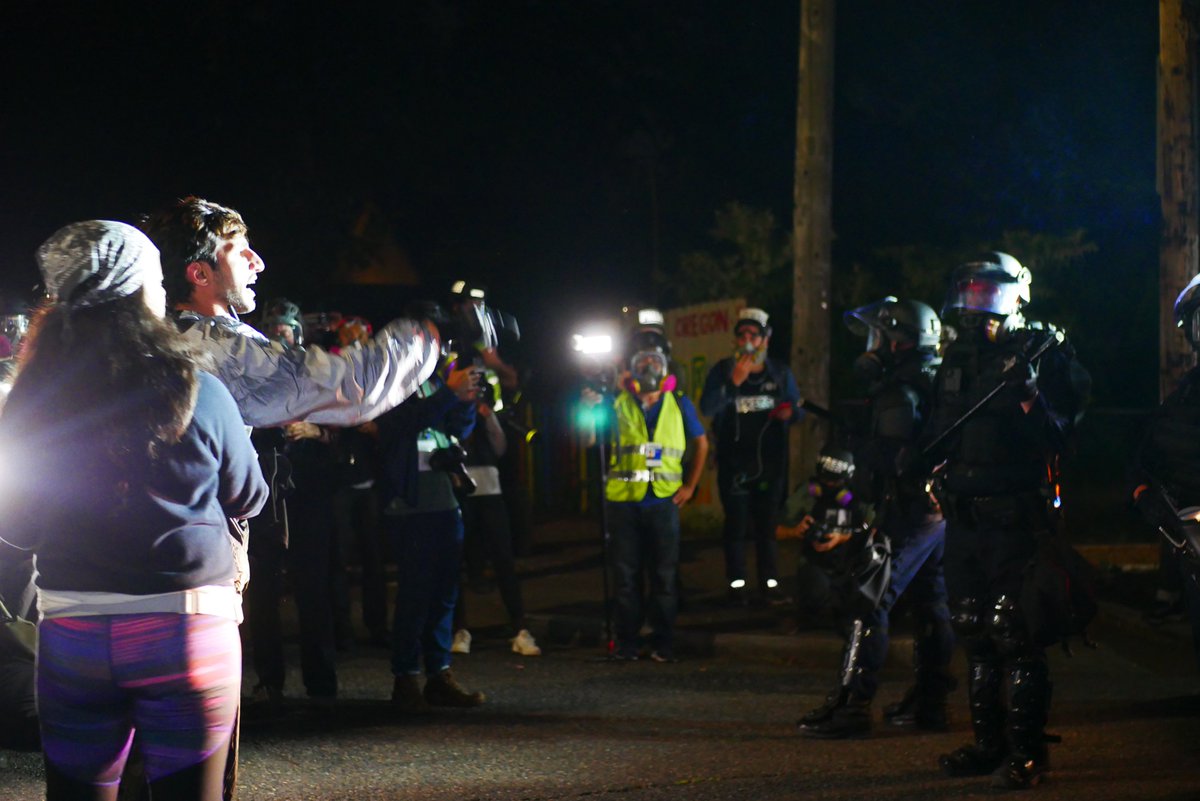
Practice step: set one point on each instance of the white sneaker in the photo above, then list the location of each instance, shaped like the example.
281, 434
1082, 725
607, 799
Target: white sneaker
524, 644
462, 642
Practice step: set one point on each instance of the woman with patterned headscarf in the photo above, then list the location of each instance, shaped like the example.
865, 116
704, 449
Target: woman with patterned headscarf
124, 461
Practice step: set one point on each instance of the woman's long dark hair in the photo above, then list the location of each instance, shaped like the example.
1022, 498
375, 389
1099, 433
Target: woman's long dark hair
115, 371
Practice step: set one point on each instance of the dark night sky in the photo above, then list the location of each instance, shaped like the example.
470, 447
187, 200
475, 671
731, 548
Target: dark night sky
516, 140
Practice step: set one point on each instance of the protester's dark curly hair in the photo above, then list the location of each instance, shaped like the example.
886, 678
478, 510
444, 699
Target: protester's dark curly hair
189, 230
115, 370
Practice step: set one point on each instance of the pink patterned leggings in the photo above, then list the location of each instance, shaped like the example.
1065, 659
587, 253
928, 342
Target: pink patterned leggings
175, 679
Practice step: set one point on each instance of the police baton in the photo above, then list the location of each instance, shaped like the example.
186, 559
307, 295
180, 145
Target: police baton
1050, 341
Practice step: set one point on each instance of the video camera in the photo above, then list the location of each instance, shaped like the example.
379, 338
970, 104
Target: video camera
452, 459
467, 325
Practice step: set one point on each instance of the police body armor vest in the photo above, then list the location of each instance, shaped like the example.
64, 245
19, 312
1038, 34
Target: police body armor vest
994, 453
1172, 450
899, 411
639, 463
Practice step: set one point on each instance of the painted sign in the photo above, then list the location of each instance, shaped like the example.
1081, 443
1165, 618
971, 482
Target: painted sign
701, 335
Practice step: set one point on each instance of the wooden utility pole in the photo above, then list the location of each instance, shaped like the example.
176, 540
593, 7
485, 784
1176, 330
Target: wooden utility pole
1179, 245
813, 227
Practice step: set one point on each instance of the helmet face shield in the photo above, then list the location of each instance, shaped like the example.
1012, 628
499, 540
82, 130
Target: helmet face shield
867, 321
1186, 307
994, 284
984, 293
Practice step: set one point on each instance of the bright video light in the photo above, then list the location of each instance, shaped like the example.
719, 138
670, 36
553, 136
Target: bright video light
591, 344
650, 317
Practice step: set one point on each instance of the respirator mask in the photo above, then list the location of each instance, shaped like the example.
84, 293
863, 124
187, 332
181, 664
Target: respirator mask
746, 345
648, 371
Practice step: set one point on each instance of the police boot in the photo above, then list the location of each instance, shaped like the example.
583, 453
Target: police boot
824, 712
924, 703
849, 718
1028, 759
987, 720
847, 713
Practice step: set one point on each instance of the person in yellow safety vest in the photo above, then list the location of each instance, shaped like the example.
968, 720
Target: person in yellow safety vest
647, 485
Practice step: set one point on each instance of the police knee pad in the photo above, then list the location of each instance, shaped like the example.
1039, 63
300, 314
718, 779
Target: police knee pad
966, 617
1006, 627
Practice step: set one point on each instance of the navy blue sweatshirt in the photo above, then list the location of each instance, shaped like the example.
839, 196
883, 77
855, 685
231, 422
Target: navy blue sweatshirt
162, 529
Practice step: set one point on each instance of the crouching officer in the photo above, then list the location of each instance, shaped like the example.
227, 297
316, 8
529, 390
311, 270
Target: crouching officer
1006, 398
897, 367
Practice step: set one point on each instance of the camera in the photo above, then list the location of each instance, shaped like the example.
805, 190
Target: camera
467, 324
452, 459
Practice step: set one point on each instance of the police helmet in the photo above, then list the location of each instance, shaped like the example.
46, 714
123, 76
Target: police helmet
905, 321
1187, 312
995, 284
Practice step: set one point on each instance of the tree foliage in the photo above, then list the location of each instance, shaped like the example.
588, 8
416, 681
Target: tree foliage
752, 259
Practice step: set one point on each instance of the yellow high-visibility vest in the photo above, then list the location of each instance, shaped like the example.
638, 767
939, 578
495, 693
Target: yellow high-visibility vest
639, 462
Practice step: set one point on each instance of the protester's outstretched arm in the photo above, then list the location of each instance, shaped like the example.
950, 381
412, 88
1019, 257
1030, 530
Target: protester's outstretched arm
273, 386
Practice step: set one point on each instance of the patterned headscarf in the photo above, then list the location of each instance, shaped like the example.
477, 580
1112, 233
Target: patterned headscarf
88, 263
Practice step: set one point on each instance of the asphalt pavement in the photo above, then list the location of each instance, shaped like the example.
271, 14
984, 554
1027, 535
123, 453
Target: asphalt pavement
716, 725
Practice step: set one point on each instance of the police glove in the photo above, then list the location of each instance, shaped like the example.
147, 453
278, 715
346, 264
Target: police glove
1022, 376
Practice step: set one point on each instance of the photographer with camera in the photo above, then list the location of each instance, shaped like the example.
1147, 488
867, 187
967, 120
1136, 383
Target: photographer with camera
655, 425
422, 463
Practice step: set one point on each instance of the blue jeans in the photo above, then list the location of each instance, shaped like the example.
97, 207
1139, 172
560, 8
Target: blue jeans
644, 536
428, 549
917, 553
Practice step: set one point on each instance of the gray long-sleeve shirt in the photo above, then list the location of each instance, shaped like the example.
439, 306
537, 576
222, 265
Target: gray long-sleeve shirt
273, 386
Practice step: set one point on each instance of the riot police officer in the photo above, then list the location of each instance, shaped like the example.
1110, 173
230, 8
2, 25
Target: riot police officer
1006, 398
1168, 465
902, 338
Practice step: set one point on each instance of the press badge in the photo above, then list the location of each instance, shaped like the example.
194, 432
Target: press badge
654, 453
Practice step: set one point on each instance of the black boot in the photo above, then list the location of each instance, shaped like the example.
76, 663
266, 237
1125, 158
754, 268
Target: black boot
849, 718
824, 712
924, 703
987, 720
847, 712
1028, 759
